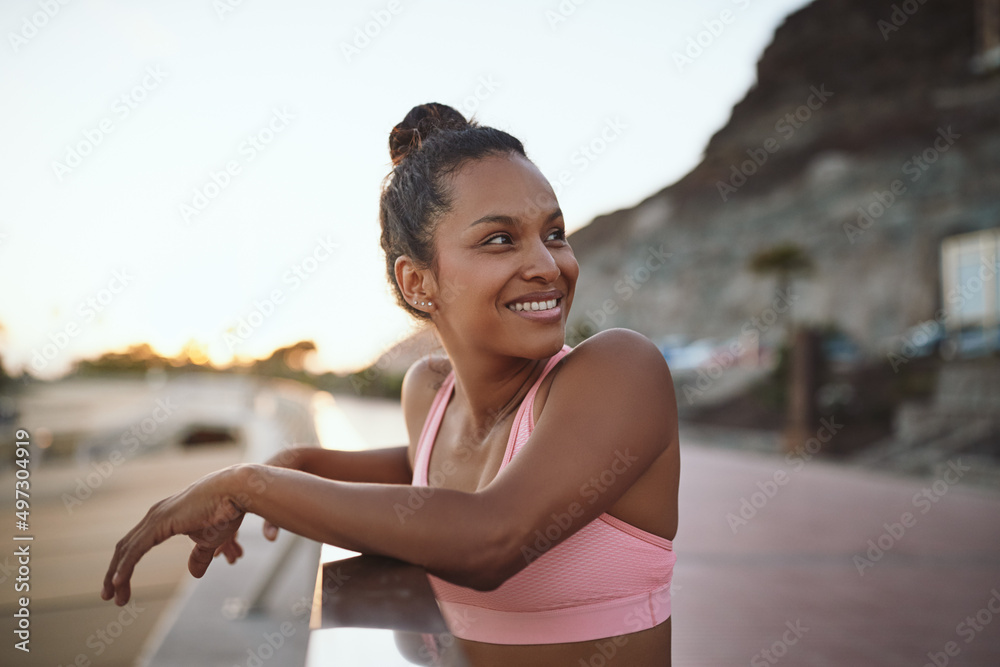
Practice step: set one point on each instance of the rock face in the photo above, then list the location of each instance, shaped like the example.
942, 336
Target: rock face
866, 140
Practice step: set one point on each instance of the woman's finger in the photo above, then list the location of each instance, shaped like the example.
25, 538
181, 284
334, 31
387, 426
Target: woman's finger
108, 590
232, 550
210, 519
150, 531
124, 565
237, 550
270, 531
200, 559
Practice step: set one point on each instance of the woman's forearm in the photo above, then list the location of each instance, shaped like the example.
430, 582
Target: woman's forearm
382, 466
449, 533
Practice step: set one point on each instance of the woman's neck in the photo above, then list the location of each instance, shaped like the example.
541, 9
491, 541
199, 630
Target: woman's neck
489, 389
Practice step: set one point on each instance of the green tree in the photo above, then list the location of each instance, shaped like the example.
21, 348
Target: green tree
786, 262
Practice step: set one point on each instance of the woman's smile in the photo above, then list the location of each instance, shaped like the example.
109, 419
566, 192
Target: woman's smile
539, 306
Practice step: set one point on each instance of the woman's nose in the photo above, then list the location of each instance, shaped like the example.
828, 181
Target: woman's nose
540, 263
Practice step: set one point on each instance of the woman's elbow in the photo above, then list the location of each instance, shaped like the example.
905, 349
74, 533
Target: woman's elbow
485, 558
499, 556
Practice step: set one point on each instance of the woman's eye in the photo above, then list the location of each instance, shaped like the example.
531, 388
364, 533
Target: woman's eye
499, 239
558, 234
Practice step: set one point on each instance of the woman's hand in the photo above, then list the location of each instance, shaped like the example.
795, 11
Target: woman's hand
206, 511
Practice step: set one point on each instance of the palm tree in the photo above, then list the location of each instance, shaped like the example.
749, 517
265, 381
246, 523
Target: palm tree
787, 261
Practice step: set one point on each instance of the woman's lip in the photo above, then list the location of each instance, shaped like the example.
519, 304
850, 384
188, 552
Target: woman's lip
538, 296
549, 315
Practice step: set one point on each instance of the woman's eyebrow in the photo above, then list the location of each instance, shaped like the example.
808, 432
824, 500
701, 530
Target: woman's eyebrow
512, 221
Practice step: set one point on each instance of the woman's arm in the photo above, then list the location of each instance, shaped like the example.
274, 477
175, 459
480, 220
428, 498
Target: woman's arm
610, 413
384, 466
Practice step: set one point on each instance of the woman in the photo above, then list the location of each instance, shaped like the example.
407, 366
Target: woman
548, 535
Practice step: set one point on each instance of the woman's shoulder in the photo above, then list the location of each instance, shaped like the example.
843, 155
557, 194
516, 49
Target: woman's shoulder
619, 360
623, 349
421, 384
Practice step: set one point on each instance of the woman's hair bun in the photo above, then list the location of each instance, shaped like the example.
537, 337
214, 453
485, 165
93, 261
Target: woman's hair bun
422, 121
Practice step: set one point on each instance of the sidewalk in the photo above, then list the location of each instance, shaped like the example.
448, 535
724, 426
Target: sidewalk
71, 551
81, 505
831, 565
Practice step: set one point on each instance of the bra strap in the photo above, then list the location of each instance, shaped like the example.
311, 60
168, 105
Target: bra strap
430, 430
527, 409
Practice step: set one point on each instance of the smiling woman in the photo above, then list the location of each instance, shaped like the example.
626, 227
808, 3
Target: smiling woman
548, 534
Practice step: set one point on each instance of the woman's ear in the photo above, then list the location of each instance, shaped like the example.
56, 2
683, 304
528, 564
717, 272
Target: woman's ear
416, 284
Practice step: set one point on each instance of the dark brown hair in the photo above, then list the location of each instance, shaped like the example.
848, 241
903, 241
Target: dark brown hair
430, 144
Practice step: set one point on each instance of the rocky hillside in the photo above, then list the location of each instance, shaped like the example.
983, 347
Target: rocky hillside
866, 140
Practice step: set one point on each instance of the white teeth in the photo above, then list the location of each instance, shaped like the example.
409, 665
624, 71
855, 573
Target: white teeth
535, 305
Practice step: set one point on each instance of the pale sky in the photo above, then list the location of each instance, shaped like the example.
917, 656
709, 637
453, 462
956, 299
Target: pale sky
168, 169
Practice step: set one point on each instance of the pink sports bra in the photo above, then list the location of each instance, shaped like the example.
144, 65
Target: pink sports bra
607, 579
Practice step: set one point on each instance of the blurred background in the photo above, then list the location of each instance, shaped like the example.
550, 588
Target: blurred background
799, 202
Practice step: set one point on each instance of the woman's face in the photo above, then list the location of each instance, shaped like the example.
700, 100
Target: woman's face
505, 273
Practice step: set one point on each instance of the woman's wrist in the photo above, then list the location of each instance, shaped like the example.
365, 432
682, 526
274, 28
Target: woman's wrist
288, 457
240, 482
